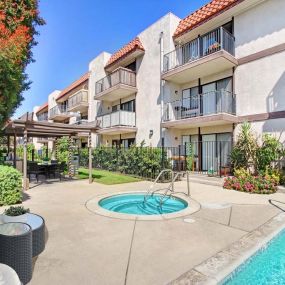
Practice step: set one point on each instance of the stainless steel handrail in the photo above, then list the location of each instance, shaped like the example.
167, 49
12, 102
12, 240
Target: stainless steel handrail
155, 181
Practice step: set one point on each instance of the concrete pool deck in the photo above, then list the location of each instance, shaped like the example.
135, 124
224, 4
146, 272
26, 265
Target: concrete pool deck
86, 248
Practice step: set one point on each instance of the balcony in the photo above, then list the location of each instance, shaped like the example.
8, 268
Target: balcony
209, 54
43, 116
78, 102
119, 84
59, 113
208, 109
44, 139
119, 122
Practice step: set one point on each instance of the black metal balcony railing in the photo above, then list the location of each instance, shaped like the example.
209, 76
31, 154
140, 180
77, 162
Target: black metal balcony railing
58, 110
75, 100
119, 76
209, 103
216, 40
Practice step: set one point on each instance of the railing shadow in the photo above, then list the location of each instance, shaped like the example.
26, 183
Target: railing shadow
278, 207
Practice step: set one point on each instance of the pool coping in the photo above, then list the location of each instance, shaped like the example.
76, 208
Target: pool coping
221, 265
93, 206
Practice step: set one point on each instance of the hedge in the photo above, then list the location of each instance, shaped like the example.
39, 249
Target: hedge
10, 185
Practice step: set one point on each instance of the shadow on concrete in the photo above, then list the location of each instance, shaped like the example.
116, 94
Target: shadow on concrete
273, 203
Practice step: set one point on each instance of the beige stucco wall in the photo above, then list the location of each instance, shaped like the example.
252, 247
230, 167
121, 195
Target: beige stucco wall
274, 127
260, 84
97, 72
260, 27
148, 98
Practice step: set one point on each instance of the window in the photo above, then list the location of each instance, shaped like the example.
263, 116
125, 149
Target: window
115, 108
132, 66
128, 106
229, 27
190, 102
124, 142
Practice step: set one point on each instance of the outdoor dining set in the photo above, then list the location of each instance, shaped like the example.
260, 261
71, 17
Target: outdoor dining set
51, 169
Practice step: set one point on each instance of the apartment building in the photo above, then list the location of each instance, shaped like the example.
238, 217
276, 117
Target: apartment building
225, 69
187, 80
70, 105
125, 88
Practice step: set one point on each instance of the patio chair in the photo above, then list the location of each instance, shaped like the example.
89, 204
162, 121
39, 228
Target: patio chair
60, 168
35, 169
51, 170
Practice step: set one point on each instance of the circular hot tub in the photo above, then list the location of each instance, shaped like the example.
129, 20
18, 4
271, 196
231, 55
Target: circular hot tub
136, 205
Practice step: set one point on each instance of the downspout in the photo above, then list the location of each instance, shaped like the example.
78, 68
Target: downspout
161, 82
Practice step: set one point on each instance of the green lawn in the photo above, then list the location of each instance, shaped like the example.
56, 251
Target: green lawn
106, 177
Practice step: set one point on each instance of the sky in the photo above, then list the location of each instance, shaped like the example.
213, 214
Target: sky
77, 31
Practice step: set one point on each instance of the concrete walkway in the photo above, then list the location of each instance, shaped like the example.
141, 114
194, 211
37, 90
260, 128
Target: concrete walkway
86, 248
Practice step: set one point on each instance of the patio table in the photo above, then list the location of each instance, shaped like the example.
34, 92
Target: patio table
48, 167
16, 249
37, 225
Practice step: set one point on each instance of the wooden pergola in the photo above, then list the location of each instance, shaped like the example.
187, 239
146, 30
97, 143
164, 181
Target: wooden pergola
26, 127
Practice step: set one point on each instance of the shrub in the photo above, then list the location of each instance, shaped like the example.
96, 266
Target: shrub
10, 185
252, 184
254, 158
243, 154
62, 149
136, 160
16, 211
270, 150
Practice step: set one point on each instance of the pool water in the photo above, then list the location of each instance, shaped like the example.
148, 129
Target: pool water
266, 267
134, 204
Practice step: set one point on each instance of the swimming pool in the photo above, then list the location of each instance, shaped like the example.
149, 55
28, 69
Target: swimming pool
266, 267
135, 204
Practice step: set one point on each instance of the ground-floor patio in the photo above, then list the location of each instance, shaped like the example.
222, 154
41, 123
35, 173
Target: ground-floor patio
86, 248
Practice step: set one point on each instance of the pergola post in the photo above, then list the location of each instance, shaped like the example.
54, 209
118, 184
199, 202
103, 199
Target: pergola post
8, 144
55, 148
90, 158
25, 180
69, 156
15, 149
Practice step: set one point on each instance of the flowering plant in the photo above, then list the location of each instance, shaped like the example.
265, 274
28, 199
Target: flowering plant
245, 182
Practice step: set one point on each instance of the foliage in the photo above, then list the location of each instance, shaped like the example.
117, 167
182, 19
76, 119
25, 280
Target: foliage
246, 182
16, 211
243, 154
270, 150
136, 160
20, 150
10, 185
18, 21
106, 177
62, 149
255, 158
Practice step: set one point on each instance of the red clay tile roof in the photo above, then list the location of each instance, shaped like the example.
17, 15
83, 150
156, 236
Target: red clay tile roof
204, 14
125, 50
45, 105
73, 85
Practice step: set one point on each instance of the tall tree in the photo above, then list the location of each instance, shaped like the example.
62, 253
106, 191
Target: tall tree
18, 22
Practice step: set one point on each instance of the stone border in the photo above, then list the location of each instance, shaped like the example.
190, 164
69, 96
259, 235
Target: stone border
218, 267
93, 206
